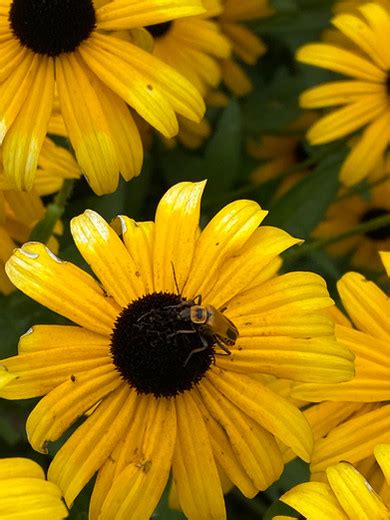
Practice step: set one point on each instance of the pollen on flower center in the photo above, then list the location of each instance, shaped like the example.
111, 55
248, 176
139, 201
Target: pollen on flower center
52, 27
376, 234
159, 29
157, 348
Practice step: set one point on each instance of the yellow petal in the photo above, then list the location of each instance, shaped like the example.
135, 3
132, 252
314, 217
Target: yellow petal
346, 120
340, 60
152, 88
55, 412
24, 140
138, 239
92, 443
338, 93
367, 305
382, 455
194, 470
62, 287
136, 491
354, 493
353, 440
108, 257
385, 257
366, 152
123, 14
314, 500
263, 247
265, 407
254, 447
86, 123
222, 238
227, 455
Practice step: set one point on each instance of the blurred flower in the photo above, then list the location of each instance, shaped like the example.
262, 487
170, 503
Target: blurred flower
20, 211
365, 96
192, 46
354, 417
352, 5
24, 492
280, 153
68, 46
350, 211
246, 45
149, 364
346, 494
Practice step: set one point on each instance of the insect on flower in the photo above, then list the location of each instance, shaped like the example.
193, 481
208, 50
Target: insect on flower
207, 320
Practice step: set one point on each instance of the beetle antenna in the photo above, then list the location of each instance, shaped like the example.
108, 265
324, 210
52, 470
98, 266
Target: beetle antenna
175, 279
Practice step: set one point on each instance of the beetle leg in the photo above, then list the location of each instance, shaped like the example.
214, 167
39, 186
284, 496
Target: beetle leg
196, 350
223, 347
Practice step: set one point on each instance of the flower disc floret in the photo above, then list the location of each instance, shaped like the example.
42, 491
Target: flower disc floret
156, 350
51, 28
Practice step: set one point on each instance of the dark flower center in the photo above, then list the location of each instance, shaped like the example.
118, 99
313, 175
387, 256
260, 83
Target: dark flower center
158, 349
159, 29
300, 152
51, 27
376, 234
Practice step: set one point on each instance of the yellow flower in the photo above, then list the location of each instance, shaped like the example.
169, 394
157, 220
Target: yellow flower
20, 211
355, 417
364, 99
350, 211
345, 496
352, 5
246, 45
24, 492
69, 46
169, 386
192, 46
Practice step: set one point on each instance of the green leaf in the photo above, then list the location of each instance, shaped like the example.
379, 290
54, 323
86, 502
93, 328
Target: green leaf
304, 205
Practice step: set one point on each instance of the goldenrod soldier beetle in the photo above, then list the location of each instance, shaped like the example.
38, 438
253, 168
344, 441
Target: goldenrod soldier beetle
209, 320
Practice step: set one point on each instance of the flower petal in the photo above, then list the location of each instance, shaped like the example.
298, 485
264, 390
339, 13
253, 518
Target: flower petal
24, 140
263, 247
265, 407
125, 14
314, 500
86, 123
344, 121
176, 230
366, 304
254, 447
152, 88
53, 415
382, 455
136, 491
222, 238
108, 257
353, 440
340, 60
92, 443
62, 287
354, 493
194, 470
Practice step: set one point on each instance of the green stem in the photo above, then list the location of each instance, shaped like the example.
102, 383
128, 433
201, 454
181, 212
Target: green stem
43, 230
371, 225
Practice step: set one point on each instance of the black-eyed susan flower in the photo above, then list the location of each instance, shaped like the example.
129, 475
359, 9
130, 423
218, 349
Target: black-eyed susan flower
246, 45
72, 46
355, 416
193, 46
363, 100
350, 211
20, 211
25, 494
346, 494
164, 350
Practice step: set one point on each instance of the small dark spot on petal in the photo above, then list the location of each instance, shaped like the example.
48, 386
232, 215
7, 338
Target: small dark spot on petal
73, 378
149, 87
